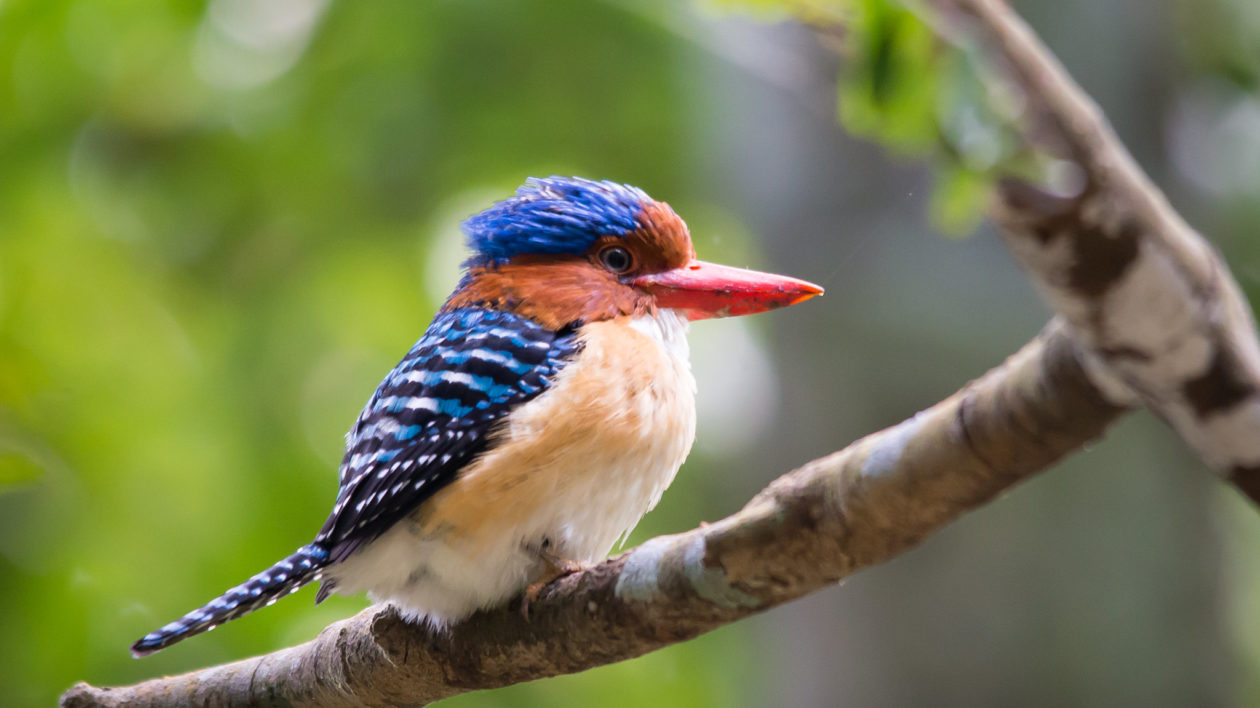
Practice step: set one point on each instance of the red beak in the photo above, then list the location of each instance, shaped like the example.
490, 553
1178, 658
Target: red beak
702, 290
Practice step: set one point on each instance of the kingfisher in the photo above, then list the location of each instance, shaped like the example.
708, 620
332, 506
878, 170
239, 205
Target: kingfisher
543, 412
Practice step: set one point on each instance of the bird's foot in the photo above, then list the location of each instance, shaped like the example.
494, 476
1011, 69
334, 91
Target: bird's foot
556, 568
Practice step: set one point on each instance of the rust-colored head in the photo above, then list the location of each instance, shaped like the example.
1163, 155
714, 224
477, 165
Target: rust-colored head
569, 250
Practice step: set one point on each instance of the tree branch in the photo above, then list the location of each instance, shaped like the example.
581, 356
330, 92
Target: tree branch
1148, 313
810, 528
1147, 295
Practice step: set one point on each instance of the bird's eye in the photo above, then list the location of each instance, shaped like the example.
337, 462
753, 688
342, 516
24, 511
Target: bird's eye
616, 259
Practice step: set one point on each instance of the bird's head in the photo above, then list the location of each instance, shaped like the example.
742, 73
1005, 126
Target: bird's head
568, 250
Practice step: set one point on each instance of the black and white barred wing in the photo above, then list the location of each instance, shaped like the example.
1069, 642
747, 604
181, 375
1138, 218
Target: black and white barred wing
429, 418
434, 413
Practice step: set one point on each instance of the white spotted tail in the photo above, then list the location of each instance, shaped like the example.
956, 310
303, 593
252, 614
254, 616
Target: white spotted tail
285, 577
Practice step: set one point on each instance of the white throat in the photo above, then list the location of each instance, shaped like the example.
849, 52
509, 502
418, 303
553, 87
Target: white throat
670, 329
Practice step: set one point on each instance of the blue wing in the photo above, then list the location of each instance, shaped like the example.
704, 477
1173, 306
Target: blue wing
427, 419
434, 412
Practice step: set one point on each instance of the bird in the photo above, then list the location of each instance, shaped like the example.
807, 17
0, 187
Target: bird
542, 413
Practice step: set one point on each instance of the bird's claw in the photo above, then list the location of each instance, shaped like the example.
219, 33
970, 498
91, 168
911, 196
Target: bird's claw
556, 568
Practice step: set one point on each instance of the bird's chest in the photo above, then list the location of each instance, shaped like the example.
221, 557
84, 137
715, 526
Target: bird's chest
572, 471
580, 465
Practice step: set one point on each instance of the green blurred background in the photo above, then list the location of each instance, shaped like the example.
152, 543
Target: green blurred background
221, 223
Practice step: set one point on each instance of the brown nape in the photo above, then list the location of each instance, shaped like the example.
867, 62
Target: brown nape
554, 291
558, 290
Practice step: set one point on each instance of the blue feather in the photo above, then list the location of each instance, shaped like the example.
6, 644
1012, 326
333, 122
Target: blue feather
555, 216
433, 413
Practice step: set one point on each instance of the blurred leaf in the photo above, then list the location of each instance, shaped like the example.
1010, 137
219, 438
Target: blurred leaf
17, 471
889, 89
762, 8
958, 200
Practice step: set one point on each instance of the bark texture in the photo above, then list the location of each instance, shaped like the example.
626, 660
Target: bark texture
1147, 296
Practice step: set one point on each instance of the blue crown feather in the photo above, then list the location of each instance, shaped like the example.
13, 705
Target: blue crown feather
554, 216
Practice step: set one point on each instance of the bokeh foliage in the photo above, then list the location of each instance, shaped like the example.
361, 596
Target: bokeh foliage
221, 222
205, 268
920, 98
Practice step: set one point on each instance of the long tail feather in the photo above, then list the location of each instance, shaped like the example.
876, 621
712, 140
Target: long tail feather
285, 577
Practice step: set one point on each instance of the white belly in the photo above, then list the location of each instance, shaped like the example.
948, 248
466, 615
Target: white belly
576, 467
